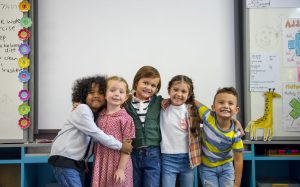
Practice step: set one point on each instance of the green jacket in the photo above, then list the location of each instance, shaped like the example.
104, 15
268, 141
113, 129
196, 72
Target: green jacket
149, 135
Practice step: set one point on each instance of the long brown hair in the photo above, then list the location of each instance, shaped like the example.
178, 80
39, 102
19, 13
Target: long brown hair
193, 110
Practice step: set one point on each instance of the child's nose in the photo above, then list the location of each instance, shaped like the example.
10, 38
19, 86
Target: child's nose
96, 94
148, 86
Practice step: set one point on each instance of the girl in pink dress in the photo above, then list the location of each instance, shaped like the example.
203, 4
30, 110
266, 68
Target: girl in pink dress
113, 168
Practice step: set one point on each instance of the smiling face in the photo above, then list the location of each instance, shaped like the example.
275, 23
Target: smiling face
116, 92
146, 88
225, 105
95, 99
179, 93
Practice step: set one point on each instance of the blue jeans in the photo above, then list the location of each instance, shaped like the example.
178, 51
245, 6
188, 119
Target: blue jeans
146, 164
67, 177
222, 176
173, 164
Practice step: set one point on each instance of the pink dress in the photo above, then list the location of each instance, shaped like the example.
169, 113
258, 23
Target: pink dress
106, 160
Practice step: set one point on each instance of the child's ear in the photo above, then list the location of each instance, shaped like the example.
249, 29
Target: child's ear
237, 110
213, 108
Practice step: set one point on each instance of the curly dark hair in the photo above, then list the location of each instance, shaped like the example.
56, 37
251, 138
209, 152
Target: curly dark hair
83, 86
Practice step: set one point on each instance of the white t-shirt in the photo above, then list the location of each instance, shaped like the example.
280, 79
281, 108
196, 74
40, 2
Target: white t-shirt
174, 130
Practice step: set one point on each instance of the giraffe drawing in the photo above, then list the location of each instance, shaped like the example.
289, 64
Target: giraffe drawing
266, 121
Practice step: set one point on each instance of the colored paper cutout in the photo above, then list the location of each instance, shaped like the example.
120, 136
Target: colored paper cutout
24, 49
24, 122
23, 62
24, 109
24, 95
266, 121
295, 44
26, 22
24, 34
295, 104
24, 6
24, 76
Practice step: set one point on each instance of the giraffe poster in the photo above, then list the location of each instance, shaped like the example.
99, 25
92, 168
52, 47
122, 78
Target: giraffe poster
291, 106
291, 41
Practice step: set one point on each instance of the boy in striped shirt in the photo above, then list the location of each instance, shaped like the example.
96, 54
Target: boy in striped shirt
221, 143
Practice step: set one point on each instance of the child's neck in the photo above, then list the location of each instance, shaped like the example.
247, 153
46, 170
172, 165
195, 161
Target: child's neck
224, 124
110, 109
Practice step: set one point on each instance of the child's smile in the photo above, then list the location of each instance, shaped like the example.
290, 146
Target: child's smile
179, 93
225, 105
95, 99
146, 88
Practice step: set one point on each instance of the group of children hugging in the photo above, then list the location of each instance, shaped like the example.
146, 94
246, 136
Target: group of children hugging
140, 139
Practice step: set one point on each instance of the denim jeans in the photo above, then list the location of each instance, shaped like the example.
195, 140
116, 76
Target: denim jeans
173, 164
67, 177
146, 164
221, 176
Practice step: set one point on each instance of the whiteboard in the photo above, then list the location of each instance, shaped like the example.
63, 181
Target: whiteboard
9, 70
264, 35
79, 38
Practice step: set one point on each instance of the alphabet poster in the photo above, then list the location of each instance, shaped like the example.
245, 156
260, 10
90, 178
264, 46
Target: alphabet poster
291, 42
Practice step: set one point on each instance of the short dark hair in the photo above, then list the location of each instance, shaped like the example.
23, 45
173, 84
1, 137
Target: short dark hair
229, 90
146, 72
83, 86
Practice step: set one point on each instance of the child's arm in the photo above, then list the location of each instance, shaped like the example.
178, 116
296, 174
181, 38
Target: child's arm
82, 119
119, 175
238, 168
238, 124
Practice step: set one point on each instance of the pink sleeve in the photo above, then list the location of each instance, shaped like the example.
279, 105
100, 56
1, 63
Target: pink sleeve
128, 128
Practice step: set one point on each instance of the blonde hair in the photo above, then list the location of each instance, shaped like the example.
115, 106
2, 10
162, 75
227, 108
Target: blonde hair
117, 78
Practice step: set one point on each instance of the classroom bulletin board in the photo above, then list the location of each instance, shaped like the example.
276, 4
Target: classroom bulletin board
14, 75
272, 56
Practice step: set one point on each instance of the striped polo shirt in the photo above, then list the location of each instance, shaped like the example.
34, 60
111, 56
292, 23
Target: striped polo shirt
217, 145
141, 108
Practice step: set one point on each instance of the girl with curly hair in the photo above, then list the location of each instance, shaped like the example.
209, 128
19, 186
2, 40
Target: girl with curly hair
70, 148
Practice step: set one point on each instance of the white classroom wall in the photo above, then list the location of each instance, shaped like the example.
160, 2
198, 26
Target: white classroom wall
79, 38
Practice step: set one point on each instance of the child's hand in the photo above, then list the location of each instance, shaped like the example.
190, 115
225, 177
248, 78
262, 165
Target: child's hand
126, 147
197, 103
165, 103
239, 127
75, 105
119, 175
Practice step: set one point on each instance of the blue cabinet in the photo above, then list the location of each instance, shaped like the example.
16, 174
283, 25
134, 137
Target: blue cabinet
22, 166
262, 165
